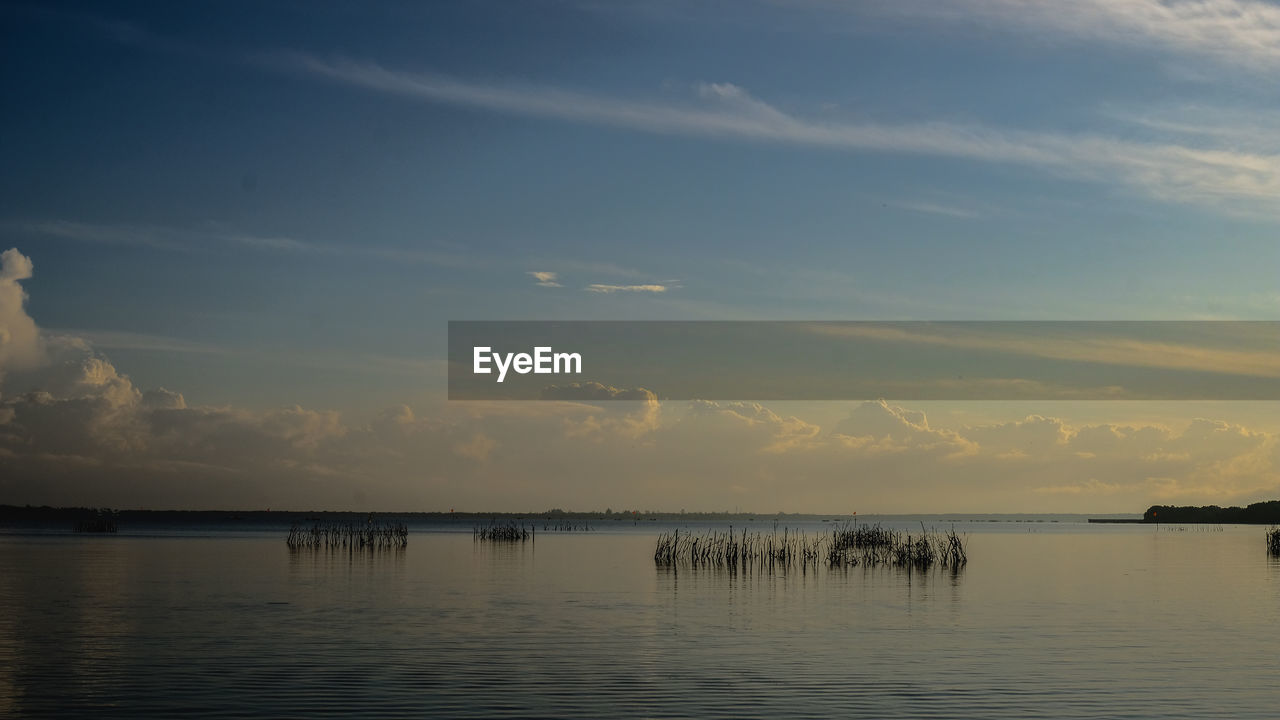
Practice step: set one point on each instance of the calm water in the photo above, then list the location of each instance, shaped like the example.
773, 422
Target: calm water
1057, 621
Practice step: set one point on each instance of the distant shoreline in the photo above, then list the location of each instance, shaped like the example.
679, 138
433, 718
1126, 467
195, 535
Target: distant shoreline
30, 514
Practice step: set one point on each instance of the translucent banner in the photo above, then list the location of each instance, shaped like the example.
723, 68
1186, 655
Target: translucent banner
856, 360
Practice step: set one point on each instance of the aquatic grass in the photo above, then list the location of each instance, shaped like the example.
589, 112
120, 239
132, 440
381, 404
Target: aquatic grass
371, 535
567, 526
502, 532
1273, 540
845, 546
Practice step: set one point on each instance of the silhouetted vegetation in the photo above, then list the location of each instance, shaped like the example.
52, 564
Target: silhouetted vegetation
502, 532
1273, 540
844, 546
102, 520
567, 526
1259, 513
371, 535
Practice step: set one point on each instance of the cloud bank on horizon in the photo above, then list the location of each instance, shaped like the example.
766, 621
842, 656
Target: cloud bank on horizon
75, 430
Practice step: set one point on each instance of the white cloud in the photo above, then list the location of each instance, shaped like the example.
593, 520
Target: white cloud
20, 343
1242, 33
608, 289
545, 279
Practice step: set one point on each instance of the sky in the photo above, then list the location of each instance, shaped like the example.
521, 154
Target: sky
239, 229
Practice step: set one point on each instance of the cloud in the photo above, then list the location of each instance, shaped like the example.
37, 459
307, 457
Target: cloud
1090, 487
877, 427
162, 399
1240, 33
637, 416
1109, 344
477, 448
76, 430
14, 266
594, 391
179, 239
607, 289
598, 268
94, 438
770, 432
929, 208
1207, 175
545, 279
119, 234
118, 340
20, 343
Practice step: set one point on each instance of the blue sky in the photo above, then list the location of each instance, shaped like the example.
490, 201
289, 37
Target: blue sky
248, 175
268, 204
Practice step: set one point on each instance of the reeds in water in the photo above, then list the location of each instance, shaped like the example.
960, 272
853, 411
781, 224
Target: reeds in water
845, 546
502, 532
354, 536
567, 526
1273, 540
103, 521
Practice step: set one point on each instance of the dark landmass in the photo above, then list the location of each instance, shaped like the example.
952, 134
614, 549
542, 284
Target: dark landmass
68, 518
1259, 513
45, 516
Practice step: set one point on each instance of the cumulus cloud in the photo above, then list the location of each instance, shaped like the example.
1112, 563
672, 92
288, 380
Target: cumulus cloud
20, 344
878, 427
594, 391
768, 431
161, 399
101, 441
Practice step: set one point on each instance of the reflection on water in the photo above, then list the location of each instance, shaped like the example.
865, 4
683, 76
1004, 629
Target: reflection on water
1082, 622
328, 559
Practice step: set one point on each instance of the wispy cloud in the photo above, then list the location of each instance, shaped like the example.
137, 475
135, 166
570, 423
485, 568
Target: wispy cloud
545, 279
593, 267
136, 235
607, 289
123, 340
1241, 33
1251, 129
1244, 358
1208, 174
197, 239
331, 359
929, 208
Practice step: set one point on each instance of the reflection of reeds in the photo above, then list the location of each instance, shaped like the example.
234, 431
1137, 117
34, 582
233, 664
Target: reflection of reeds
331, 535
1273, 540
502, 532
845, 546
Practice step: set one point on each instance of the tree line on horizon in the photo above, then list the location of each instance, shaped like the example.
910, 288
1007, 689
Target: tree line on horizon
1259, 513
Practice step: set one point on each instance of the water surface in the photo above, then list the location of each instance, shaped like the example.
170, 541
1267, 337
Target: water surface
1051, 620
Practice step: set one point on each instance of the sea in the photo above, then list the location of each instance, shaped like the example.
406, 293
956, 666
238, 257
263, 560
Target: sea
1051, 617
